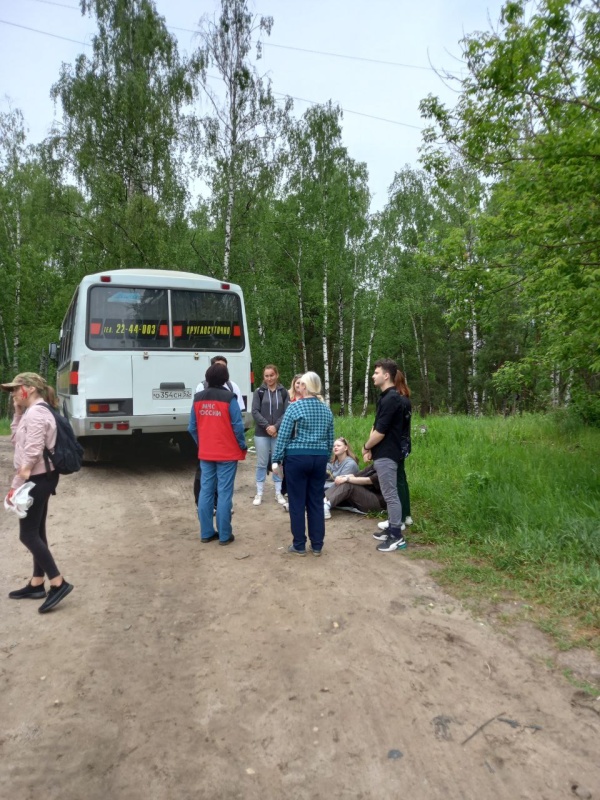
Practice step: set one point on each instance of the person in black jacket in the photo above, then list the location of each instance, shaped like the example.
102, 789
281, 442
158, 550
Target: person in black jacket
268, 407
389, 444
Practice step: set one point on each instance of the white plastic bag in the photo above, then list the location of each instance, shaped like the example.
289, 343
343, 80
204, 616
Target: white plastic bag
20, 502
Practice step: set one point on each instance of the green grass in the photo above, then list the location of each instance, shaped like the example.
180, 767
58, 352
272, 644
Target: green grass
4, 426
511, 509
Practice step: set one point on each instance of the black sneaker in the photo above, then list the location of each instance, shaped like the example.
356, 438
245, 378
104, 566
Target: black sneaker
34, 592
212, 538
392, 543
228, 541
55, 595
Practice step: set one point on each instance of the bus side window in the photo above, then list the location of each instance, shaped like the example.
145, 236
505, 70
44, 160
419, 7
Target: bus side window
66, 342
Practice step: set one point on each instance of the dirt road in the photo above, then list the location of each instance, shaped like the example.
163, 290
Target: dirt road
181, 671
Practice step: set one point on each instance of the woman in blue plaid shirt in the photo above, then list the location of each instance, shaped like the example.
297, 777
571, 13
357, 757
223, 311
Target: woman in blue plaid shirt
304, 444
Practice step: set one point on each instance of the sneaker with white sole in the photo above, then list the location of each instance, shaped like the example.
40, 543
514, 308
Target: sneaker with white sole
280, 498
326, 510
257, 500
391, 544
408, 521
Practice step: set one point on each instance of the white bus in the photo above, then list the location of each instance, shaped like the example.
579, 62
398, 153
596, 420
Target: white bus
134, 345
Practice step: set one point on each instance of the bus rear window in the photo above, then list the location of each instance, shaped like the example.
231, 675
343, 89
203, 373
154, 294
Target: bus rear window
122, 318
207, 320
130, 318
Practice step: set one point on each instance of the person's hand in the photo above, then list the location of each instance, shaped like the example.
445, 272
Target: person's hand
9, 496
339, 480
24, 472
366, 454
271, 430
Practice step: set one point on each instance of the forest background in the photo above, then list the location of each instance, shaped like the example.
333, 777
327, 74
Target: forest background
480, 275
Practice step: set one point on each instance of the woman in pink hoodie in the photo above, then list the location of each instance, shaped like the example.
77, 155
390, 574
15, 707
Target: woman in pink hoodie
33, 429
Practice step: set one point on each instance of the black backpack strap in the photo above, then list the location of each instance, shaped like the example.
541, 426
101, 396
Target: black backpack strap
46, 451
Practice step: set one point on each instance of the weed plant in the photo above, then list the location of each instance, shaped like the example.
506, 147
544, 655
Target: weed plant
512, 507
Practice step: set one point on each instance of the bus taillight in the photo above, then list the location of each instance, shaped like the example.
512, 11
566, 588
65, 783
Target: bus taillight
74, 378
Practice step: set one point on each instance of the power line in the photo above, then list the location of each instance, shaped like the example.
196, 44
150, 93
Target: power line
281, 94
350, 58
285, 46
52, 3
45, 33
358, 113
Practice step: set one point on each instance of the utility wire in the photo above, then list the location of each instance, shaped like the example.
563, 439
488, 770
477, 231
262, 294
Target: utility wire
358, 113
281, 94
285, 46
45, 33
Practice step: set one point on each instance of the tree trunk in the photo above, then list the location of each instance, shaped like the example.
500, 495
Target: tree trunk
301, 311
351, 365
449, 361
228, 218
17, 324
426, 389
422, 367
474, 348
341, 352
368, 369
325, 350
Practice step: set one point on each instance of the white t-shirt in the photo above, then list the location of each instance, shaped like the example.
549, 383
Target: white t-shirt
236, 390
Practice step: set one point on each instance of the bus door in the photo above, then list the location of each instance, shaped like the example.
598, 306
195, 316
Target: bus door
165, 383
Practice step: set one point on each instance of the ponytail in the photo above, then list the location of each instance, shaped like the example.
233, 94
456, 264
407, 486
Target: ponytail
401, 384
49, 395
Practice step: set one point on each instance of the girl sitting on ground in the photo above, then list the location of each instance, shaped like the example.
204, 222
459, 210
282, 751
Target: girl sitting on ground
344, 462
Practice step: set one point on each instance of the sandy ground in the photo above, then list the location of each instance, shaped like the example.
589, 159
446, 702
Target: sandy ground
180, 670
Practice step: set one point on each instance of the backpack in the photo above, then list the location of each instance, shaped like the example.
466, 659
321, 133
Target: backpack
67, 455
261, 393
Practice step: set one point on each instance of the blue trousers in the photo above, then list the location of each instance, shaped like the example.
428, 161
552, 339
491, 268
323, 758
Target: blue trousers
216, 475
304, 477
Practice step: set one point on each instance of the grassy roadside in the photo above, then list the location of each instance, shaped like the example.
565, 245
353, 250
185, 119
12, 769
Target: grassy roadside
4, 426
511, 510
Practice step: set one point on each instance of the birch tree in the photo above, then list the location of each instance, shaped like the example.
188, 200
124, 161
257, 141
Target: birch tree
240, 130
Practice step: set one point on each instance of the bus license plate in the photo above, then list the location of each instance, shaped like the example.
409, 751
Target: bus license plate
171, 394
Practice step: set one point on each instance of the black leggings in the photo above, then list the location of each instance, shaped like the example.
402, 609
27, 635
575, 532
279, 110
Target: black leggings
32, 529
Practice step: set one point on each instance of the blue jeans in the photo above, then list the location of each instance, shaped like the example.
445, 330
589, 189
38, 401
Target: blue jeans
265, 447
216, 475
304, 477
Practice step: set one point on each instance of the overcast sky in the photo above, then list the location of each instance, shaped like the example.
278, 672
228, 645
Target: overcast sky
416, 33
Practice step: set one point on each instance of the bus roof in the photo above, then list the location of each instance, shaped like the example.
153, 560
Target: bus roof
159, 277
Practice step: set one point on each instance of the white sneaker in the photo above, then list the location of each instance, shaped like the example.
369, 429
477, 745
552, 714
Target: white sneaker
384, 526
257, 500
326, 510
408, 521
286, 507
280, 498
